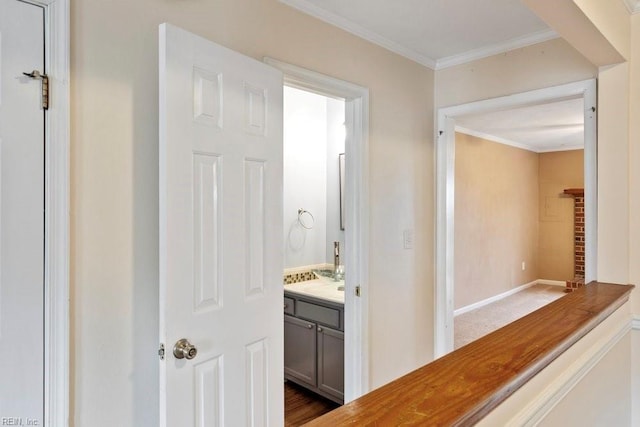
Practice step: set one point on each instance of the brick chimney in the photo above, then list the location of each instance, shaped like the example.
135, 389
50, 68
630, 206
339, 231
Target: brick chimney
579, 243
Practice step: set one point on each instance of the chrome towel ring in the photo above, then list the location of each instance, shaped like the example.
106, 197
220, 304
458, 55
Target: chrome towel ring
305, 219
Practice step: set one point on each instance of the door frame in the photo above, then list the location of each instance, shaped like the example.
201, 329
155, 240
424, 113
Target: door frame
56, 227
357, 215
445, 189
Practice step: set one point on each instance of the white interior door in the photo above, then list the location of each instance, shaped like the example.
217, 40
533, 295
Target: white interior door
221, 253
21, 214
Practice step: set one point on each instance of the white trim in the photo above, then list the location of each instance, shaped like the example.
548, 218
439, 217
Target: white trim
635, 322
357, 209
445, 187
495, 49
633, 6
537, 409
515, 144
492, 299
590, 179
552, 282
357, 30
57, 190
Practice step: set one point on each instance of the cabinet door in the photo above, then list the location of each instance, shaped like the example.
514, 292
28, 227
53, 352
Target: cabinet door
300, 349
331, 362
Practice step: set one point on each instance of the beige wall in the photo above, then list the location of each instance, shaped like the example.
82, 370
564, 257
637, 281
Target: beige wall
611, 18
557, 171
114, 185
509, 209
613, 174
591, 26
496, 218
543, 65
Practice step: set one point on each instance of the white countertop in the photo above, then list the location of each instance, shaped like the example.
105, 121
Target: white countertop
323, 289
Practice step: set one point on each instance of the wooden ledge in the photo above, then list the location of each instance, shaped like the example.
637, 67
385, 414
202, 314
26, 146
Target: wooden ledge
465, 385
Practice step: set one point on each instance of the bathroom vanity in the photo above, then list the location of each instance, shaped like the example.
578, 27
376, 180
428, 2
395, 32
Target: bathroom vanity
314, 337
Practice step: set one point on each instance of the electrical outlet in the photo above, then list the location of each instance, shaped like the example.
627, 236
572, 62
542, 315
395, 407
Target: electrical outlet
524, 266
408, 239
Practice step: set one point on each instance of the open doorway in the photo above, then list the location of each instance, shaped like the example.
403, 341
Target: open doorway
514, 240
448, 118
354, 217
314, 287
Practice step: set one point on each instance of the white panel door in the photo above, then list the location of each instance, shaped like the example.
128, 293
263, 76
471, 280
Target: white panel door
21, 214
220, 234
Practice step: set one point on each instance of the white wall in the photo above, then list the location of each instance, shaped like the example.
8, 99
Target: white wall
335, 146
305, 177
313, 138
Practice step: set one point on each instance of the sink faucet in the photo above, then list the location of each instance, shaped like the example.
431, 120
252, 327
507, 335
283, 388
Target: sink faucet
336, 259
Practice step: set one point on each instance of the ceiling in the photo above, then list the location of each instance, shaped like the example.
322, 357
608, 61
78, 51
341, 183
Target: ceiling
435, 33
555, 126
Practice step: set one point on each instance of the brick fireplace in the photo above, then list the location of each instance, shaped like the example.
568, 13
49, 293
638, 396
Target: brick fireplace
578, 232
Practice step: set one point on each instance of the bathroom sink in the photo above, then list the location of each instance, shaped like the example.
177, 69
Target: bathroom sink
329, 277
323, 273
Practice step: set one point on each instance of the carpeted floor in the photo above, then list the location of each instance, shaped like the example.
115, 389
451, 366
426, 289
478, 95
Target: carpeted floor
481, 321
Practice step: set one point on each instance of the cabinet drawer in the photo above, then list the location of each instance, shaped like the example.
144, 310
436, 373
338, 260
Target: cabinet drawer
289, 306
318, 313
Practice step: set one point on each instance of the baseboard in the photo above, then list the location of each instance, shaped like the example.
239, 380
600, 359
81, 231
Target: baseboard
495, 298
552, 282
498, 297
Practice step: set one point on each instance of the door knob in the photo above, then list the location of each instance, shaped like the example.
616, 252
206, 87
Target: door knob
184, 349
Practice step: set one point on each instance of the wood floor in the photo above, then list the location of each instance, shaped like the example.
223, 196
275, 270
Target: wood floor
302, 406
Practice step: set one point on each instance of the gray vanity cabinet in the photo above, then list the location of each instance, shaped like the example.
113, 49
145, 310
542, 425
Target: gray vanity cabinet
300, 349
314, 345
331, 361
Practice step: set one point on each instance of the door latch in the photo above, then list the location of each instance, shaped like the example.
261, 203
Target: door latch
36, 75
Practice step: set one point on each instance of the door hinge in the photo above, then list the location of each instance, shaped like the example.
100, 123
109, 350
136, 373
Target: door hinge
35, 74
161, 351
358, 290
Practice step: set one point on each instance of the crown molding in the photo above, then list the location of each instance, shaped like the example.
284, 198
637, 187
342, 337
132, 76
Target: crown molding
334, 19
484, 52
516, 144
632, 5
357, 30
